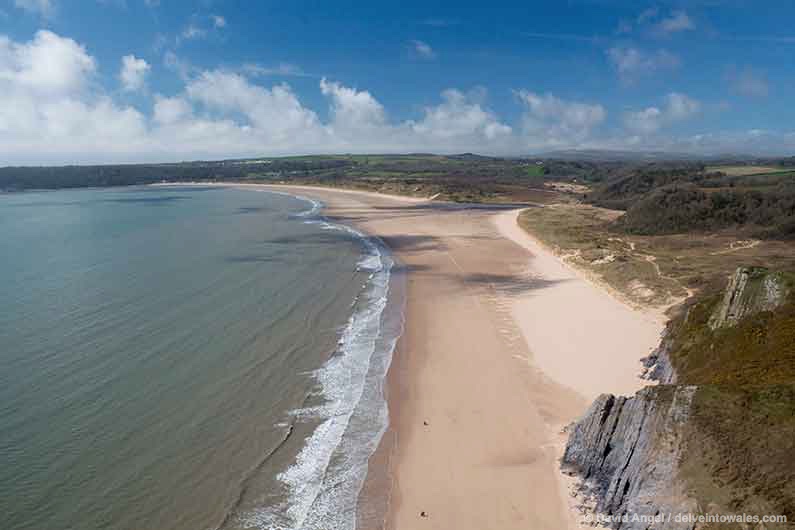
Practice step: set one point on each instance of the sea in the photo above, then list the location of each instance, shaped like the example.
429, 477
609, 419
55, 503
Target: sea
188, 358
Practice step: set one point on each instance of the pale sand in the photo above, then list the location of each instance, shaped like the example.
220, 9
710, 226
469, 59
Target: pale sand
503, 345
577, 322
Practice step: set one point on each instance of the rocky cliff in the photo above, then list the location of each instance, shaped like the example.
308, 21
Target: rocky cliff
628, 451
657, 366
751, 290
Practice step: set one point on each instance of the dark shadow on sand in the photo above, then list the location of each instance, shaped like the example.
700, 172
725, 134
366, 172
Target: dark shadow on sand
508, 283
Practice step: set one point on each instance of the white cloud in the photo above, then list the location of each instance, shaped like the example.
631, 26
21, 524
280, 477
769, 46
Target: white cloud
133, 73
676, 22
681, 107
168, 111
45, 8
423, 49
631, 63
646, 121
458, 116
47, 64
651, 20
49, 110
281, 69
353, 109
53, 110
275, 111
192, 32
678, 107
200, 27
553, 121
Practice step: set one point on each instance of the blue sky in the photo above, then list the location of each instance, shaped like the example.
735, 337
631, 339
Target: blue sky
136, 80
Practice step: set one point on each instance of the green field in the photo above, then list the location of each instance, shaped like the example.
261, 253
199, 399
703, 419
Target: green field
742, 171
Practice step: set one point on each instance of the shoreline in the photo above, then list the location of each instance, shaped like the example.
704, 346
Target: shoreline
501, 344
556, 404
388, 307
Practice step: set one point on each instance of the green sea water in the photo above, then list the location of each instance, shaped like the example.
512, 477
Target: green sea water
185, 358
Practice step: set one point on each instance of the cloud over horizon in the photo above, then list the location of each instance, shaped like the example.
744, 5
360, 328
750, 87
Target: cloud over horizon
55, 111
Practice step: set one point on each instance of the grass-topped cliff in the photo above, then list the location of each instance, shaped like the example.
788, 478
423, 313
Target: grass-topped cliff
738, 347
721, 439
748, 340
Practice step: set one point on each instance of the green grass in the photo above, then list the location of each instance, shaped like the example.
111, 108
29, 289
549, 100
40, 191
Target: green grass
668, 265
759, 350
741, 171
740, 436
739, 450
534, 170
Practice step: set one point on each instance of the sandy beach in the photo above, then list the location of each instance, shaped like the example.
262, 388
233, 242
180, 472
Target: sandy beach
503, 346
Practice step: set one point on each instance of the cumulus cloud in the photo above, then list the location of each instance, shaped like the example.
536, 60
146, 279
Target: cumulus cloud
632, 63
459, 116
676, 22
170, 110
352, 109
47, 64
554, 121
678, 107
276, 112
53, 110
48, 109
133, 73
423, 49
646, 121
681, 107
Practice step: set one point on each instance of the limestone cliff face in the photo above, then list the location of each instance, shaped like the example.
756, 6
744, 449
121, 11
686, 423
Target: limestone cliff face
626, 450
750, 291
657, 366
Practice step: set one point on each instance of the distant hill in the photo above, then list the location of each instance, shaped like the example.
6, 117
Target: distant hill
607, 155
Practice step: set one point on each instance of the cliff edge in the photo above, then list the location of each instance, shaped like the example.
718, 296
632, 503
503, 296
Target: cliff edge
689, 445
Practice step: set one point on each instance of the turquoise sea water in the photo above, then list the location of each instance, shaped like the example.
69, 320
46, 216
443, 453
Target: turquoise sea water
186, 358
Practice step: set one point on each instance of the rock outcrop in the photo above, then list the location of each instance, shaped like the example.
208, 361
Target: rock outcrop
657, 366
626, 450
751, 290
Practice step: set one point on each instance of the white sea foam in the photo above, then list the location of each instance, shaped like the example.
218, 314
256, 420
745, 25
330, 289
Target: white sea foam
325, 480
